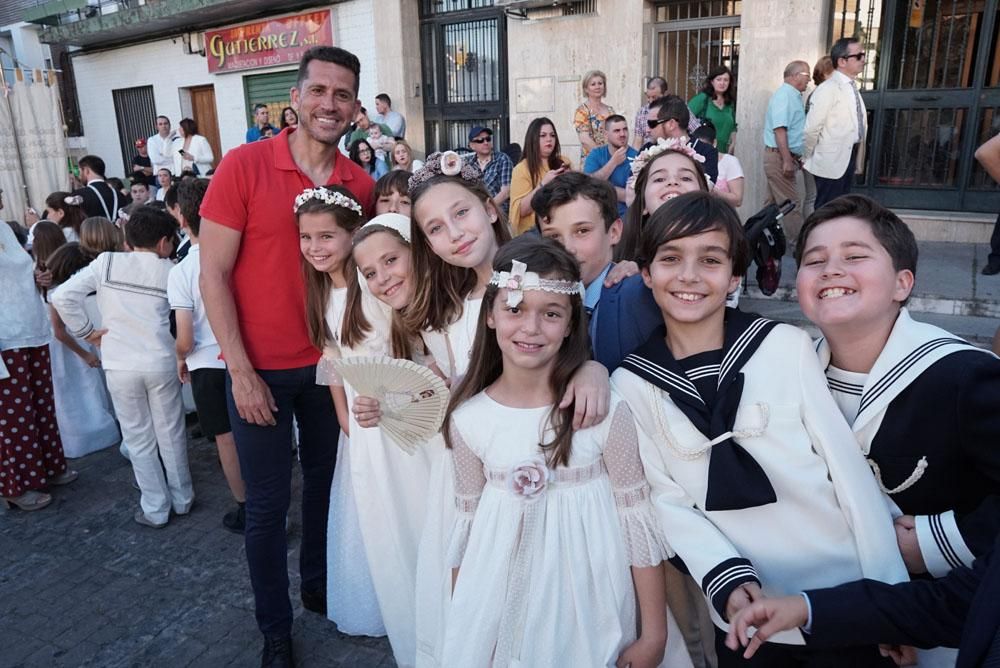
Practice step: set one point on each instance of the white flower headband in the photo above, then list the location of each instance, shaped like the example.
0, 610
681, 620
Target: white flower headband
73, 200
328, 196
519, 279
680, 145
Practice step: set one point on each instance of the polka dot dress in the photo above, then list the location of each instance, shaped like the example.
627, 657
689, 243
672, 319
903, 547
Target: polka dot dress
30, 449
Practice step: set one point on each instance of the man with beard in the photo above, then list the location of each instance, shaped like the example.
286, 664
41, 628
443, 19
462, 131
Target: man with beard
248, 231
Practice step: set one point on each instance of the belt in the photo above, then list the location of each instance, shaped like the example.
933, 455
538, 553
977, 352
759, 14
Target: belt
775, 150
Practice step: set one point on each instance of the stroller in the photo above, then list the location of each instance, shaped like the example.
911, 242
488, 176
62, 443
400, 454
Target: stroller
767, 243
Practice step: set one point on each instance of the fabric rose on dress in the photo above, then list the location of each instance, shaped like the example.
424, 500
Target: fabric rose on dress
528, 479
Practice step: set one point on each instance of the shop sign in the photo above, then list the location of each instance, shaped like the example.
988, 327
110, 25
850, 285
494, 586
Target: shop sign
277, 41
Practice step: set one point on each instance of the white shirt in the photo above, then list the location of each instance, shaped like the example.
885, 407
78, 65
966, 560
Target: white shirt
132, 298
184, 294
160, 152
24, 322
730, 169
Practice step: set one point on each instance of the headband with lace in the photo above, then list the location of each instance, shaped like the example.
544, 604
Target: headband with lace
394, 221
448, 163
328, 196
519, 279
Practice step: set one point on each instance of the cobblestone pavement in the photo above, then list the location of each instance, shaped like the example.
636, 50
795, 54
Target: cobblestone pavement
81, 584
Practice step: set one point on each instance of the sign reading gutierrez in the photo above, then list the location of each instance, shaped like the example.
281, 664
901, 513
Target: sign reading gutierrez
278, 41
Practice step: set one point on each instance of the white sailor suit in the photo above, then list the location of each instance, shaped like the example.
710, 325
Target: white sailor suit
769, 487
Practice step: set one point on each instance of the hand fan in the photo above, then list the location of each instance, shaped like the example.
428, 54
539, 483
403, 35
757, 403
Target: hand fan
412, 398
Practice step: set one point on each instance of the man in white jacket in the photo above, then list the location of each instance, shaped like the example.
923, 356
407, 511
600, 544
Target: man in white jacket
836, 124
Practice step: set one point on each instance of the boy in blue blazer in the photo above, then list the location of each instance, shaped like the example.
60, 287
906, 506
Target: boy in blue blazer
581, 213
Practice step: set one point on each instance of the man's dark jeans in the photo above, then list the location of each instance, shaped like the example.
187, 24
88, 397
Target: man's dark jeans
831, 189
266, 464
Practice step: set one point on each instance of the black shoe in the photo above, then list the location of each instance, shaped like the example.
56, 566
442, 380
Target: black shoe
991, 269
236, 519
277, 652
314, 601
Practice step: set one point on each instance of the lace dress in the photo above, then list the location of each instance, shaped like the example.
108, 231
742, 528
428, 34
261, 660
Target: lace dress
450, 349
546, 580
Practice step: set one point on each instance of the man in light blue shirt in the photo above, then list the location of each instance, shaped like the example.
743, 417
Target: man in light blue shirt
386, 116
612, 162
783, 142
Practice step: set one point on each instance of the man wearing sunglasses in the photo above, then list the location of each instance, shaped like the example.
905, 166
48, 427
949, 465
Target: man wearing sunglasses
495, 165
836, 124
669, 116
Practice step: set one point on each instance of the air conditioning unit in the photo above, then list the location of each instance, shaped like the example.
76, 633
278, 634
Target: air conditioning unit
528, 4
194, 43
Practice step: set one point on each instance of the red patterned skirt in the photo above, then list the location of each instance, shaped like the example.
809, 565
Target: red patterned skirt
30, 449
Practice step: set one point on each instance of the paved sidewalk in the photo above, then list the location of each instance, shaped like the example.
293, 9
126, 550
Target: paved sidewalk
81, 584
949, 292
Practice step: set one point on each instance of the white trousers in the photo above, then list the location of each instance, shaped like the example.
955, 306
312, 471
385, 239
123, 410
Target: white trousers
151, 413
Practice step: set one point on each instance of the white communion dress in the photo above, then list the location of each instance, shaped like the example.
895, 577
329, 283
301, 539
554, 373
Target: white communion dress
451, 350
545, 580
377, 509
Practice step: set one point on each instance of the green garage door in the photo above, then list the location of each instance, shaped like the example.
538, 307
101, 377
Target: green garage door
270, 89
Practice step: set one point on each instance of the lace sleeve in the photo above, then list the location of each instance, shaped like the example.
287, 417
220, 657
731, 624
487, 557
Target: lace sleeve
645, 543
326, 374
469, 483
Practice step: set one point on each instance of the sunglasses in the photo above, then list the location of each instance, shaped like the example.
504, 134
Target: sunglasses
859, 56
481, 140
654, 123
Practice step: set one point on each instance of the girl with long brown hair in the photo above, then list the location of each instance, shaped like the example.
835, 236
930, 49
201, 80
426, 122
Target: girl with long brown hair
339, 325
535, 496
65, 210
457, 231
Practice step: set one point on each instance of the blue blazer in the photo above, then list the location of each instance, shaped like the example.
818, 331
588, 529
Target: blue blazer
627, 315
959, 610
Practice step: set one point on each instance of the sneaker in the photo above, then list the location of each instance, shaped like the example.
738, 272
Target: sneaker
140, 518
236, 519
277, 652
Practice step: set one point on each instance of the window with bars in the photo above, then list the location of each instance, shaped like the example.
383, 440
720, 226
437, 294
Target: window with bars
434, 7
135, 112
691, 38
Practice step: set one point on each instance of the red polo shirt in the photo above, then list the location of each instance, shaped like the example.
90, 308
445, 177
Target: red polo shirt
253, 191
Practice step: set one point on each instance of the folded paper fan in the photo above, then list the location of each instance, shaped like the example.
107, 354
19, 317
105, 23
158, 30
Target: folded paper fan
413, 399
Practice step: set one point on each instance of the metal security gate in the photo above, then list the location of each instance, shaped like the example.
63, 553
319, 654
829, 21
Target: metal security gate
693, 36
463, 45
135, 111
932, 88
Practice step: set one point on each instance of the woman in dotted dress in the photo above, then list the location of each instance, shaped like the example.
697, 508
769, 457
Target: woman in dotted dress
31, 453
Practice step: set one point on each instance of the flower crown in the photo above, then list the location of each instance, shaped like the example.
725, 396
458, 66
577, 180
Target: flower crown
519, 279
661, 146
447, 163
328, 196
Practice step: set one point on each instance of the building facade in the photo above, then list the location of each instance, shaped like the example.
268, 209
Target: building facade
932, 85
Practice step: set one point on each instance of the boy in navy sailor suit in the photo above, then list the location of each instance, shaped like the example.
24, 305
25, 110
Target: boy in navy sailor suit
924, 404
581, 213
754, 472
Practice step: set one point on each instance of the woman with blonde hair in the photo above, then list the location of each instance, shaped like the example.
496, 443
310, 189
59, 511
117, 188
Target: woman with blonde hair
589, 117
402, 157
99, 235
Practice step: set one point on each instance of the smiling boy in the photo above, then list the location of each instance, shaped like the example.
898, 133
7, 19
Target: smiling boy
923, 404
754, 475
581, 213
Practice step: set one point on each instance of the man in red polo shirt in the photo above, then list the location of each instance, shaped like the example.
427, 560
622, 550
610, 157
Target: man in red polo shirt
252, 286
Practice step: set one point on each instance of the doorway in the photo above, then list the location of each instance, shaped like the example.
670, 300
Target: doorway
464, 49
204, 114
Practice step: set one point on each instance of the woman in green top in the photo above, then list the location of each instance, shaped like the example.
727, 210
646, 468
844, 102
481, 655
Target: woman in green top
717, 103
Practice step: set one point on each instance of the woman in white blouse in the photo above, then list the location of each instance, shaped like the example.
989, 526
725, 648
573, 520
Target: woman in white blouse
192, 152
